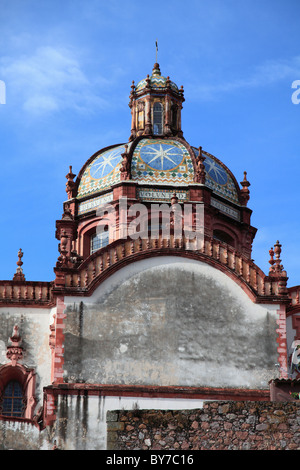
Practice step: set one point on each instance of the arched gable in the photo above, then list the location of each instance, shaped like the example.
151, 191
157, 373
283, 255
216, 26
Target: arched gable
170, 321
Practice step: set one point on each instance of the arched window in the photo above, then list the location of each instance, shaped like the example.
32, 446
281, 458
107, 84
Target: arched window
12, 400
141, 115
157, 119
99, 240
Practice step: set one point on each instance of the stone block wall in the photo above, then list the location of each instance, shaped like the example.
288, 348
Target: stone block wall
217, 426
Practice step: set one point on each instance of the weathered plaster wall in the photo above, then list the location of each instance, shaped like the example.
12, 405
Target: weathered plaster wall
170, 321
34, 329
23, 436
81, 420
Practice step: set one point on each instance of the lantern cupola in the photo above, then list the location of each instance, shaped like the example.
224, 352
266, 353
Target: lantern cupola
156, 104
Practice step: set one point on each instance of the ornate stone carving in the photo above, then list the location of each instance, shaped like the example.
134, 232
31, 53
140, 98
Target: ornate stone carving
245, 193
200, 169
14, 349
125, 168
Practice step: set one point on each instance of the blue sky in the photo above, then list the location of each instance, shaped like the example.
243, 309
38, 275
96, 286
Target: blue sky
68, 67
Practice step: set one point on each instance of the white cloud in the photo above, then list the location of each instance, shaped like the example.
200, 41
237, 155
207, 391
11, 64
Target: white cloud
49, 80
262, 75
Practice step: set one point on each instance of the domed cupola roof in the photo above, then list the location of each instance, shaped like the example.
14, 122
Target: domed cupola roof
219, 178
155, 81
155, 161
169, 161
162, 161
101, 171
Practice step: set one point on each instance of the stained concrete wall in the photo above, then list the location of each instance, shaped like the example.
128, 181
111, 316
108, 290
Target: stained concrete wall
170, 321
34, 329
81, 422
16, 435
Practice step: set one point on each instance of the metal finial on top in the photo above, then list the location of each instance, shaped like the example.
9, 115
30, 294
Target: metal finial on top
156, 46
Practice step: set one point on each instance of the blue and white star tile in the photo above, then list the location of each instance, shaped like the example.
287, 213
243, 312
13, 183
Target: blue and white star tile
162, 161
102, 172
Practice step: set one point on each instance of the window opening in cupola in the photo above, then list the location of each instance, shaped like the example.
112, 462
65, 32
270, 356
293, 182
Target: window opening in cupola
141, 115
157, 119
174, 116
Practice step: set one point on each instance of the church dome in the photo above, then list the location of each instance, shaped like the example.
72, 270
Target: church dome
155, 161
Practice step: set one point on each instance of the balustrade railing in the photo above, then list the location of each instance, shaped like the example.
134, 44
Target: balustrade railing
82, 278
225, 255
25, 291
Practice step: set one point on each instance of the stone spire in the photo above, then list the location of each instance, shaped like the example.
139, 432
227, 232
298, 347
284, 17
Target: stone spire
276, 269
200, 170
245, 193
70, 184
19, 275
276, 266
